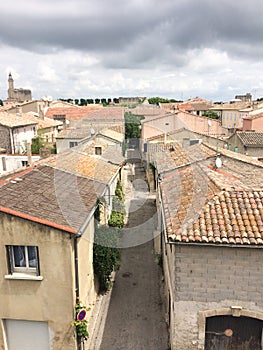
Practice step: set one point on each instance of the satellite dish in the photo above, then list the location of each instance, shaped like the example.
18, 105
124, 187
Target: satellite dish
218, 162
44, 98
92, 131
49, 98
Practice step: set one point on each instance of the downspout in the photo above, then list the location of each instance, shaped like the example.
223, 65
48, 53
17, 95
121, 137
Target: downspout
76, 268
12, 140
76, 257
80, 344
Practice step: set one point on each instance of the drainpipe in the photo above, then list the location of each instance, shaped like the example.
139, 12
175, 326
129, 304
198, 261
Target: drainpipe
12, 141
76, 255
80, 343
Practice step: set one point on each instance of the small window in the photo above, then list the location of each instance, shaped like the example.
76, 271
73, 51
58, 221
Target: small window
23, 259
72, 144
98, 151
24, 162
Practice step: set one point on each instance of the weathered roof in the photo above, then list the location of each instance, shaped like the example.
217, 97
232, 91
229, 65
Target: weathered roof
44, 123
230, 217
11, 120
171, 155
79, 161
203, 204
252, 116
52, 197
114, 135
87, 112
251, 138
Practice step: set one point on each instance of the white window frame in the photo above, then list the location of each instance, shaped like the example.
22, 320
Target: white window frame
25, 270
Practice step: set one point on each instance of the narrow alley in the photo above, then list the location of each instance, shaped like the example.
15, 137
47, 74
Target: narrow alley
135, 319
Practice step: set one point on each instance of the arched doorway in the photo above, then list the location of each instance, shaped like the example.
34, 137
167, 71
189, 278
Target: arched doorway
227, 332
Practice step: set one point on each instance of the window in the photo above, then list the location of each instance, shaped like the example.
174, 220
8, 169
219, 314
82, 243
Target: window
72, 144
98, 151
23, 259
24, 162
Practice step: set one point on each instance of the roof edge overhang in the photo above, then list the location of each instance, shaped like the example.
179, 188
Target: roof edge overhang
37, 220
215, 245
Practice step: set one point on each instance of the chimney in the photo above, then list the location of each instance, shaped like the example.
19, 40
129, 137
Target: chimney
19, 111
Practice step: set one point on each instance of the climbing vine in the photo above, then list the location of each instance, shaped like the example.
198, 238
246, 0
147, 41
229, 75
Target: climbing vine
81, 325
106, 255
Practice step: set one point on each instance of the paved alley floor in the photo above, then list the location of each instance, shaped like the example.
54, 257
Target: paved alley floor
135, 319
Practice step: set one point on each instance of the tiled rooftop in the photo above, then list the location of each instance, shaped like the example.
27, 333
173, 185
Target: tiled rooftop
89, 112
50, 196
170, 155
44, 123
203, 204
231, 217
78, 161
251, 138
113, 134
12, 120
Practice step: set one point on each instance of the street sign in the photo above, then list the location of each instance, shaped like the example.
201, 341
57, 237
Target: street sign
81, 315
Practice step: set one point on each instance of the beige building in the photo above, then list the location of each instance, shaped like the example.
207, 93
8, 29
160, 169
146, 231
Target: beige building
46, 244
210, 219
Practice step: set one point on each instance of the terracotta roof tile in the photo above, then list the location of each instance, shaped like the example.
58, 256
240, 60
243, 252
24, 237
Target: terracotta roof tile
12, 120
89, 112
50, 196
251, 138
203, 204
80, 162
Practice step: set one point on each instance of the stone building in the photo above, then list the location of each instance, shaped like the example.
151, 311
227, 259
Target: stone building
247, 142
17, 95
211, 224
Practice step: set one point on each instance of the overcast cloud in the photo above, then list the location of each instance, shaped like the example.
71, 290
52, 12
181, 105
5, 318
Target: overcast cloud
111, 48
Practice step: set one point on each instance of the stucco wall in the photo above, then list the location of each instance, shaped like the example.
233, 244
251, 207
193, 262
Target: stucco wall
172, 122
253, 124
88, 292
52, 299
212, 278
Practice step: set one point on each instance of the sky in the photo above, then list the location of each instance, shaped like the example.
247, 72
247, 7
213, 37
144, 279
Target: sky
111, 48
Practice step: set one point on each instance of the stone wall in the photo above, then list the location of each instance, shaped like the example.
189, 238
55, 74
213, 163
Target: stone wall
212, 278
5, 139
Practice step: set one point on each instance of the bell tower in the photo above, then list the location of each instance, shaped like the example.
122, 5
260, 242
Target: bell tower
10, 87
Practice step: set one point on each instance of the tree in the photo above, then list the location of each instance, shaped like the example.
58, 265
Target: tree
211, 114
76, 101
132, 125
36, 144
1, 103
83, 102
157, 100
97, 100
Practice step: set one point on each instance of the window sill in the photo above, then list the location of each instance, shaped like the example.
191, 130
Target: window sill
23, 276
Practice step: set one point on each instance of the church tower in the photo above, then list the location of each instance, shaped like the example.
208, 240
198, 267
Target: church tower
10, 87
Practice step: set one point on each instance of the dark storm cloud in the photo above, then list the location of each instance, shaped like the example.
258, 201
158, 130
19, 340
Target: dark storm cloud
134, 33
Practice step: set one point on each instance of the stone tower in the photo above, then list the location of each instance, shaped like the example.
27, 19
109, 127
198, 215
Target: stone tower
17, 95
10, 87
